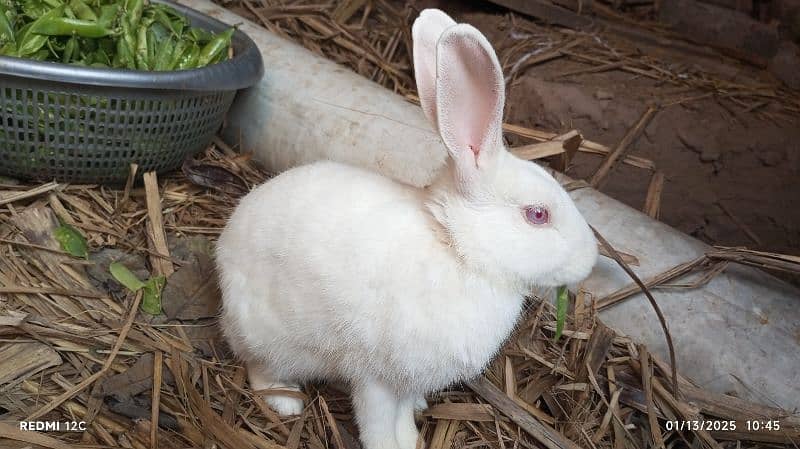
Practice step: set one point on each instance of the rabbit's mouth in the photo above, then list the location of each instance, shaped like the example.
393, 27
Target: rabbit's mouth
575, 270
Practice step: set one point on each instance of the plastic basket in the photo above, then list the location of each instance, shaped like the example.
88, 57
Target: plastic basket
78, 124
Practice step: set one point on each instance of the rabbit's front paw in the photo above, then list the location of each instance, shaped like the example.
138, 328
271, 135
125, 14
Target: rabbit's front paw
261, 378
285, 405
406, 430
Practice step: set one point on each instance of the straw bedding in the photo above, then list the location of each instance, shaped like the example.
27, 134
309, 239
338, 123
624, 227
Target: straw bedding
76, 347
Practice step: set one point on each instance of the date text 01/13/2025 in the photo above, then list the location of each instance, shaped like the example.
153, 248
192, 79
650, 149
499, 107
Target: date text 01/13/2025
751, 425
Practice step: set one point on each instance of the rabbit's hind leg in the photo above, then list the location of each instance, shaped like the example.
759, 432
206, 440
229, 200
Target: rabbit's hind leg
261, 378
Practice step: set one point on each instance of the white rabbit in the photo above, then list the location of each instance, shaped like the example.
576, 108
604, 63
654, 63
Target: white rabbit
329, 271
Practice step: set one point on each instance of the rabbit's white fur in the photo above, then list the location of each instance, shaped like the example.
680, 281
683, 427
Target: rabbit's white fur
329, 271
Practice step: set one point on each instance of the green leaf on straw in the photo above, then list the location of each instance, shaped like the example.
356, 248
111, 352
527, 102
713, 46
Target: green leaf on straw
124, 276
151, 301
72, 241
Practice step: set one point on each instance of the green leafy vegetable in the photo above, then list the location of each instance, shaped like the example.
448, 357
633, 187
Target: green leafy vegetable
123, 34
31, 42
82, 10
64, 26
107, 14
72, 241
6, 30
70, 50
562, 301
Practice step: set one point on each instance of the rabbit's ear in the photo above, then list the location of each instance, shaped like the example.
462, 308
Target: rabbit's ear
425, 32
470, 93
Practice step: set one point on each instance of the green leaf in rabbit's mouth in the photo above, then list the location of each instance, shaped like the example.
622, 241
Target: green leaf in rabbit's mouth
562, 301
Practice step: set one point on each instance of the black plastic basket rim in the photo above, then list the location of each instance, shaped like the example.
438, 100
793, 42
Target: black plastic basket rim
244, 70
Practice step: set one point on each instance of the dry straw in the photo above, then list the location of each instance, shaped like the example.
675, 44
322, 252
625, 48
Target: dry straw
75, 347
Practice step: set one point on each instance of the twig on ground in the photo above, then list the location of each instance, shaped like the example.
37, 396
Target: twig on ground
653, 302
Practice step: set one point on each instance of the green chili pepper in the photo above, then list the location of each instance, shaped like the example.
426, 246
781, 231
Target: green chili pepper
124, 57
214, 47
134, 8
157, 34
70, 50
189, 58
164, 55
177, 52
152, 46
63, 26
5, 25
128, 36
82, 10
222, 56
141, 51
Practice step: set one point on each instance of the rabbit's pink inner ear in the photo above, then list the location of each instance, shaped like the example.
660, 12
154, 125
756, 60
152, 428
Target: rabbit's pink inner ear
470, 92
425, 32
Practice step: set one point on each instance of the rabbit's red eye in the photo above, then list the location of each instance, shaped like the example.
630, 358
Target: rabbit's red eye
537, 215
